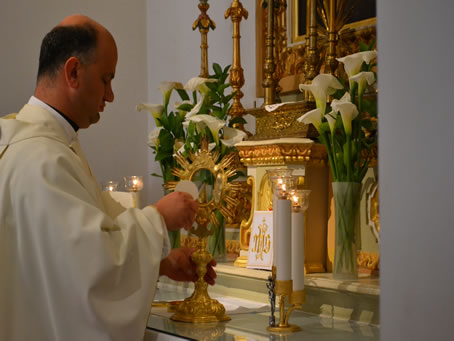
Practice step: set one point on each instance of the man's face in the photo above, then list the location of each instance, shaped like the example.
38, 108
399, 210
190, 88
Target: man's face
96, 83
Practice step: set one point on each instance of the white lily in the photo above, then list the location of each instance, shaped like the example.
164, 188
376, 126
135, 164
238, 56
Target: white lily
331, 118
362, 78
198, 83
348, 112
314, 117
153, 137
322, 85
232, 136
166, 90
154, 109
352, 63
195, 110
213, 123
346, 98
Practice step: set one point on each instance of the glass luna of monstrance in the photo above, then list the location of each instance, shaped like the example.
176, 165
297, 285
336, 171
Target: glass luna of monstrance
215, 195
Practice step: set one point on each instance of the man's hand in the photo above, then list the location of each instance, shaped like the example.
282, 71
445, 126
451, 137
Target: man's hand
179, 266
178, 210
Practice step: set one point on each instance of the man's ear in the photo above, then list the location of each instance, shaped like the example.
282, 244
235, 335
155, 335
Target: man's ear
72, 72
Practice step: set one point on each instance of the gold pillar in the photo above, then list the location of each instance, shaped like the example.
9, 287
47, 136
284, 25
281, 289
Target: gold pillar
204, 23
236, 79
331, 62
312, 53
269, 83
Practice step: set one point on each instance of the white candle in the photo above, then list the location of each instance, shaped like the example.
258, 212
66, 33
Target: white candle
284, 255
298, 250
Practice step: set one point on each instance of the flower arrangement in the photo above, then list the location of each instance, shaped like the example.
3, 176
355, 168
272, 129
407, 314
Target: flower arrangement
201, 113
346, 126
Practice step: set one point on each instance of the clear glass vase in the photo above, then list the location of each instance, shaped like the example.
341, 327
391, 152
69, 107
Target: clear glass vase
347, 196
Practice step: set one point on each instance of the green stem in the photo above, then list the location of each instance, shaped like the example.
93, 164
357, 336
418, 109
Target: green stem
335, 172
349, 158
330, 155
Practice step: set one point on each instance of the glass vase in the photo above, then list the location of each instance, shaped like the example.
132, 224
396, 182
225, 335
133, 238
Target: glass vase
347, 196
216, 241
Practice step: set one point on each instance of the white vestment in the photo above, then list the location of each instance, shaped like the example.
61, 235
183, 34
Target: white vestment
71, 268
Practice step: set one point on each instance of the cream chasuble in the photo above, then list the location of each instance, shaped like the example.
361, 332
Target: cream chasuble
73, 265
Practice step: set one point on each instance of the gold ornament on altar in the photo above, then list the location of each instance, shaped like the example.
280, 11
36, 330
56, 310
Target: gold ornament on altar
199, 307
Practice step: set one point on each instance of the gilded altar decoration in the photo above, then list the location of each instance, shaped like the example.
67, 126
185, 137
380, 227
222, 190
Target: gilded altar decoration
328, 32
199, 307
204, 23
236, 12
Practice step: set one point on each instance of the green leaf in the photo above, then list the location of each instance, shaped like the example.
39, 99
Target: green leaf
161, 155
363, 46
166, 141
183, 94
186, 107
217, 69
191, 128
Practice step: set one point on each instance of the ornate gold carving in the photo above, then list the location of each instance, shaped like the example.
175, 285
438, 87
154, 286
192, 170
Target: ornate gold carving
302, 62
236, 12
204, 23
245, 227
282, 153
243, 197
368, 260
199, 307
233, 247
282, 122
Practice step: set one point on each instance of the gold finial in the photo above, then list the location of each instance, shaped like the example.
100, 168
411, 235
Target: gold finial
204, 23
236, 79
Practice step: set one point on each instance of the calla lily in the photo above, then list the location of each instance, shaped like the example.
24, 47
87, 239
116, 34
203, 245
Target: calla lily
166, 90
154, 109
331, 118
352, 63
344, 99
314, 117
153, 137
213, 123
362, 78
348, 112
322, 85
198, 83
195, 110
232, 136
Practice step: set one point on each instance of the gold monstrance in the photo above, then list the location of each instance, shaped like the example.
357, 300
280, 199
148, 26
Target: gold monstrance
199, 307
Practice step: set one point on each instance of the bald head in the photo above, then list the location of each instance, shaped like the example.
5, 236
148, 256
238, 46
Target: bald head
77, 63
76, 35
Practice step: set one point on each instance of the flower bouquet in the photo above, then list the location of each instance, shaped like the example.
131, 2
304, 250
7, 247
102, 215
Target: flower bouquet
201, 113
347, 128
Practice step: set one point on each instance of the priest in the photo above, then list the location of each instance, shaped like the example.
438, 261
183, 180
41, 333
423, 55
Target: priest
74, 264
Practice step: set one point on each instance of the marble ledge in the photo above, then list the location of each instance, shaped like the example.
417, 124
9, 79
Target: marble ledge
363, 285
